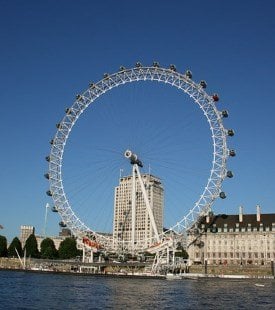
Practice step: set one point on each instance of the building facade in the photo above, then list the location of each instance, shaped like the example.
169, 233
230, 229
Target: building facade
122, 224
56, 240
234, 239
63, 234
25, 232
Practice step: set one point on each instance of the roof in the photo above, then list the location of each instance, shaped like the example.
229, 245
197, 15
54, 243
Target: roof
266, 220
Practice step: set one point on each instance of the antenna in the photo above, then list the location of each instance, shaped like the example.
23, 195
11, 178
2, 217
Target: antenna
120, 173
46, 218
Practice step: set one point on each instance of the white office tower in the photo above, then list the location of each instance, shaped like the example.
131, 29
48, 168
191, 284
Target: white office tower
132, 227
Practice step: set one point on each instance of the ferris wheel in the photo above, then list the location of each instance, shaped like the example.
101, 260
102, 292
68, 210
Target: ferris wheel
170, 76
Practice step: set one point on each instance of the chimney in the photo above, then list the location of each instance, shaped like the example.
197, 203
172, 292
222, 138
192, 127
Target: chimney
258, 208
240, 214
209, 214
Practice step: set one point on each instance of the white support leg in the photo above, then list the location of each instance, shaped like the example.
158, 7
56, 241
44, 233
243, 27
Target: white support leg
133, 208
83, 254
147, 203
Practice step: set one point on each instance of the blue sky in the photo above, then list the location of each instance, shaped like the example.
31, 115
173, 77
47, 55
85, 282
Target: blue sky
51, 50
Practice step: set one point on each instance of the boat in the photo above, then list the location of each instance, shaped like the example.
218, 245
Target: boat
173, 276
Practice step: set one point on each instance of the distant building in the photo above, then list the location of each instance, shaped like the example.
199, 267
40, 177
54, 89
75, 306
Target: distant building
25, 232
63, 234
234, 239
122, 224
56, 240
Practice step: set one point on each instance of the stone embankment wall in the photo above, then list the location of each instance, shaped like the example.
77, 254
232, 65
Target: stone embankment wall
10, 263
257, 271
250, 270
14, 263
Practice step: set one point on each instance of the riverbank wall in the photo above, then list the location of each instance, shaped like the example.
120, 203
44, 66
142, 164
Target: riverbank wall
115, 268
246, 270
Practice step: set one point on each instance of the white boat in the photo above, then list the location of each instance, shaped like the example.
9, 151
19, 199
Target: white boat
173, 276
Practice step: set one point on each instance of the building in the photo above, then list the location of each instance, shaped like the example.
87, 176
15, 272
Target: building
234, 239
56, 240
25, 232
63, 234
122, 224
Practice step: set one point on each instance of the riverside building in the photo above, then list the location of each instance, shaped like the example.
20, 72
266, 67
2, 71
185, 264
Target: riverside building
123, 217
234, 239
25, 232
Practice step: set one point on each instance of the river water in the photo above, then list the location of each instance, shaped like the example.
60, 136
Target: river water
22, 290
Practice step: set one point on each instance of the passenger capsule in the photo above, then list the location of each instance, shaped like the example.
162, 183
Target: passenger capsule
106, 75
68, 111
224, 113
51, 141
47, 176
122, 68
230, 132
188, 73
222, 195
138, 65
232, 153
215, 97
210, 213
155, 64
54, 209
49, 193
173, 68
62, 224
48, 158
92, 85
229, 174
79, 98
203, 84
58, 125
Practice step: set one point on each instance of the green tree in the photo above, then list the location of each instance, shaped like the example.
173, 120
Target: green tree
68, 249
47, 249
15, 244
31, 247
3, 246
181, 252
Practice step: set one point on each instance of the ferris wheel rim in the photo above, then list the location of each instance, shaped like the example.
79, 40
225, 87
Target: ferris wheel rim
123, 76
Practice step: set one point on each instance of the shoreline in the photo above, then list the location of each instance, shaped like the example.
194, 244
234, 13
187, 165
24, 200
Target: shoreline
183, 276
113, 275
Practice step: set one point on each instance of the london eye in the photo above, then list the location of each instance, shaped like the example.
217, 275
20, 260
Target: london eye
196, 91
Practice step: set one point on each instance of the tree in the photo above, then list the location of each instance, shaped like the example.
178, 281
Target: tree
47, 249
31, 247
68, 249
3, 246
15, 244
181, 252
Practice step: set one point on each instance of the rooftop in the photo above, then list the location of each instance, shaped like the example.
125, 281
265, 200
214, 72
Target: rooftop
220, 220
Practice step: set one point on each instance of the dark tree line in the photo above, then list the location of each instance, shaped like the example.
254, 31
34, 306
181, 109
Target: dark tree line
67, 248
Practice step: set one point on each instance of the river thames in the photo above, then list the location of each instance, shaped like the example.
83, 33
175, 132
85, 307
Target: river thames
22, 290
